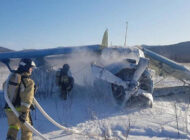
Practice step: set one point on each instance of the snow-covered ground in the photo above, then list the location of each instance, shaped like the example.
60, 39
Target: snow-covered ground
92, 110
102, 118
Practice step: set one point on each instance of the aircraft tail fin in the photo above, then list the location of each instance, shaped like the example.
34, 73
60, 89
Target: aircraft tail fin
104, 40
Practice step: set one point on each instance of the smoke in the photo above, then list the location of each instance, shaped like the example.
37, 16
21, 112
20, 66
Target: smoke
80, 65
118, 55
80, 62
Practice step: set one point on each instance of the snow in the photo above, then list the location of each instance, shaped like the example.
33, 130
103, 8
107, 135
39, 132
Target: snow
92, 110
105, 119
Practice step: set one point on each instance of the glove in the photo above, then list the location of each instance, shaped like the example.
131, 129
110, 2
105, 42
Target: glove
32, 107
22, 117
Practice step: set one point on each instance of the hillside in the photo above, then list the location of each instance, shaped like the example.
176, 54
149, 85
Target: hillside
3, 49
177, 52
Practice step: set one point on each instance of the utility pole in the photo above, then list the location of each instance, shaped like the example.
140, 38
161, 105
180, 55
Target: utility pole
125, 43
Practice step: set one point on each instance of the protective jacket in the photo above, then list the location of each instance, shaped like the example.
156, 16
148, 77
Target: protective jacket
64, 80
20, 91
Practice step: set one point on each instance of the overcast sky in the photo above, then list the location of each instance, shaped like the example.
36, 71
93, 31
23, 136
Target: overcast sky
28, 24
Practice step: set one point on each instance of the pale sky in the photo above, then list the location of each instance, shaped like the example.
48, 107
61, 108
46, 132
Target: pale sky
38, 24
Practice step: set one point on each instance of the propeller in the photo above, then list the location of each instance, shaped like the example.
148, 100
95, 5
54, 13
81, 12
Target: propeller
130, 87
142, 65
107, 76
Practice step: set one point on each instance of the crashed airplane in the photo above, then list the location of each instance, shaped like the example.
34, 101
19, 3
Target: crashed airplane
129, 77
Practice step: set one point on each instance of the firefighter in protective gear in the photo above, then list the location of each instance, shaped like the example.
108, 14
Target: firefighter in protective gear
20, 91
64, 80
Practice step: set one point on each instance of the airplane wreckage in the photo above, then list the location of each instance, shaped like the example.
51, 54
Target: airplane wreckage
129, 77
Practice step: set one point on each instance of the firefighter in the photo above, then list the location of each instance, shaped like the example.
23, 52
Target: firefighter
20, 91
64, 80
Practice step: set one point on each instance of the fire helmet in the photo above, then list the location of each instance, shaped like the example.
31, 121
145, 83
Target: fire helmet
25, 64
66, 67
